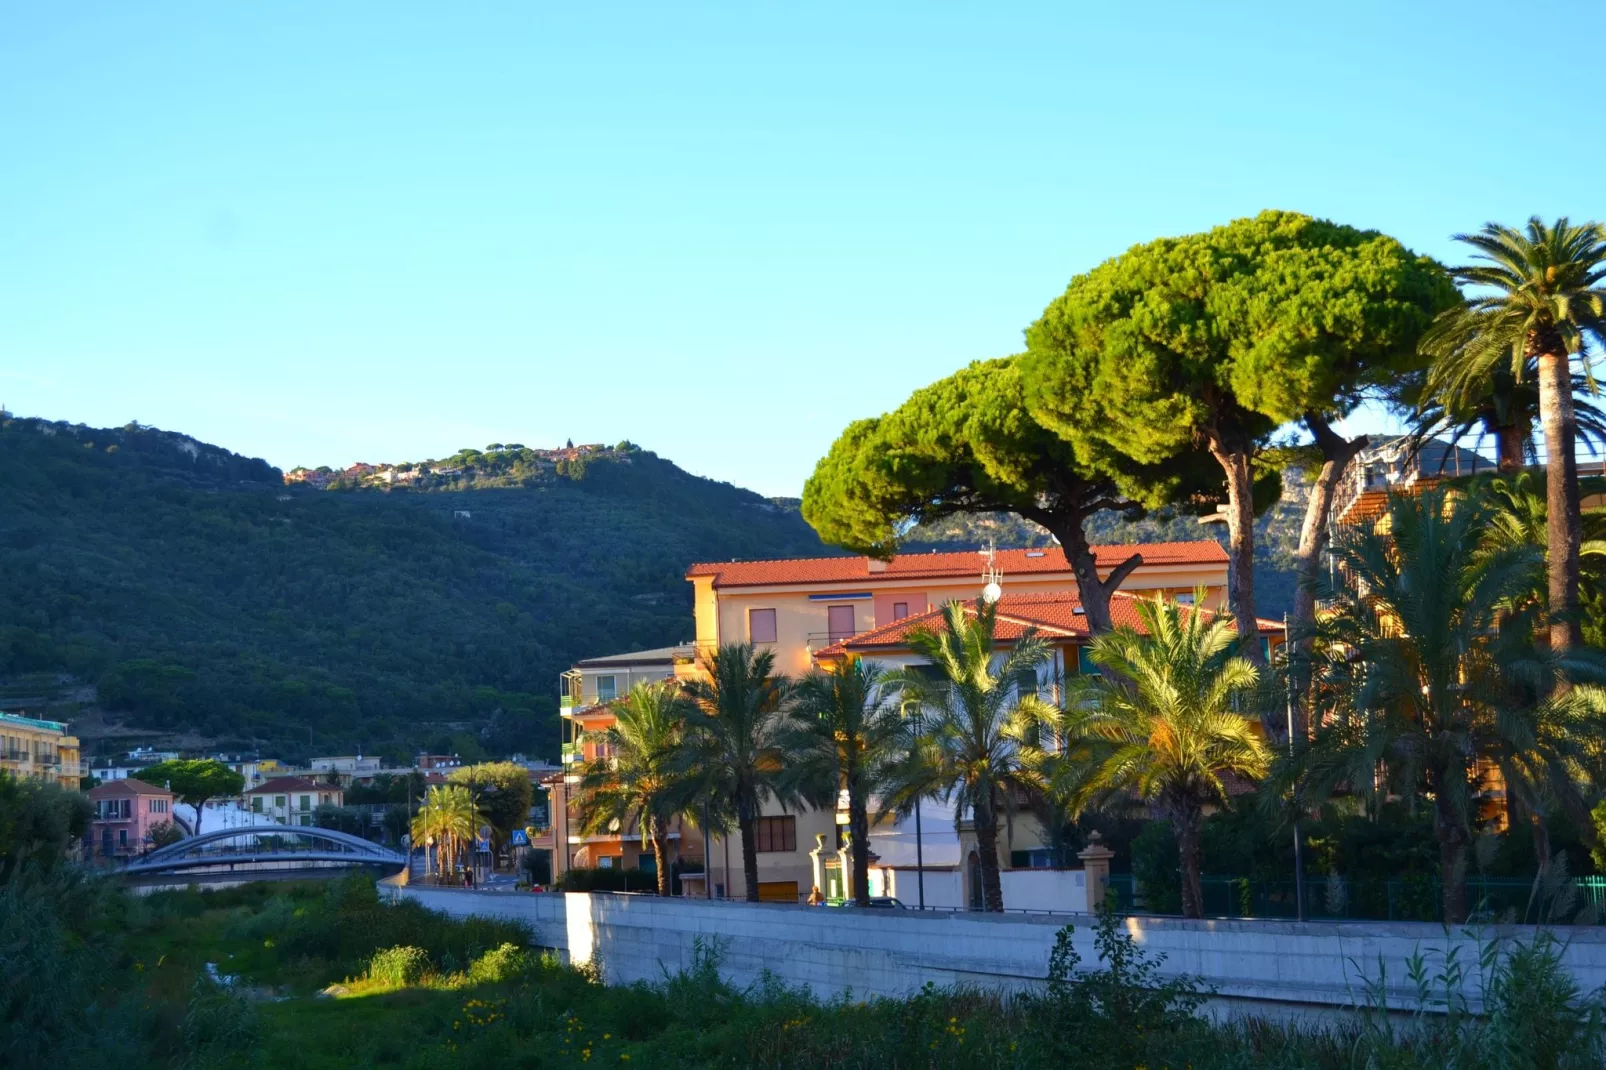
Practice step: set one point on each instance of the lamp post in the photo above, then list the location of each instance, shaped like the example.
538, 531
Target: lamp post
1299, 853
920, 852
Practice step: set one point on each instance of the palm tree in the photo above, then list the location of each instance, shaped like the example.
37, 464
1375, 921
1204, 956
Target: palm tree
639, 772
1432, 672
450, 816
977, 745
850, 740
1168, 730
741, 726
1501, 406
1541, 303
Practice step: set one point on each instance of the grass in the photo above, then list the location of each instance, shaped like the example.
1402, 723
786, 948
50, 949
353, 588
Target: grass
326, 976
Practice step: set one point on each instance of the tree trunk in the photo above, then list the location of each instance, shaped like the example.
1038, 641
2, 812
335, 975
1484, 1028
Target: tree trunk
1337, 452
1241, 547
1563, 520
748, 820
1093, 592
198, 808
654, 832
1511, 445
1188, 826
1452, 872
859, 826
992, 888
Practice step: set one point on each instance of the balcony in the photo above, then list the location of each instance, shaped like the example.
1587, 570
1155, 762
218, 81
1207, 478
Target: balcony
820, 640
571, 753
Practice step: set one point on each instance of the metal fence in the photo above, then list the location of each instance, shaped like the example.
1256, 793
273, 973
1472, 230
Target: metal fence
1580, 900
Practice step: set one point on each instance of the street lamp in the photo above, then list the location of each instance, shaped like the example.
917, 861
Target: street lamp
920, 853
1299, 853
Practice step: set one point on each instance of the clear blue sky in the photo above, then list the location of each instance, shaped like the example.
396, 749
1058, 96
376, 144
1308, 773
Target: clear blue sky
320, 233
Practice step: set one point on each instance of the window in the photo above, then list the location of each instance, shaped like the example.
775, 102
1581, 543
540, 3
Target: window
1084, 664
1026, 683
278, 802
777, 834
256, 804
761, 625
900, 610
122, 837
128, 808
840, 620
306, 803
607, 688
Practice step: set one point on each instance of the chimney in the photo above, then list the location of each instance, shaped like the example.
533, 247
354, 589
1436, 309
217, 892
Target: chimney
876, 565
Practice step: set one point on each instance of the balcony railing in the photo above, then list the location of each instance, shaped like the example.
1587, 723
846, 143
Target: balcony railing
821, 640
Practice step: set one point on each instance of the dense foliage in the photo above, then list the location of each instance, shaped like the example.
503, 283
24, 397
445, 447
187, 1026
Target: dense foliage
204, 596
315, 977
1206, 344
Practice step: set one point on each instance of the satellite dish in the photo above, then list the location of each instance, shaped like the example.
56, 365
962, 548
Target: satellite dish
991, 593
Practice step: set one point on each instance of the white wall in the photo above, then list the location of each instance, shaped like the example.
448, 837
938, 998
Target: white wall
1063, 891
945, 888
1263, 966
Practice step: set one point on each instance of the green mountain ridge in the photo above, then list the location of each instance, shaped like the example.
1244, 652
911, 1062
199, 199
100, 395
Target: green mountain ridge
161, 589
206, 599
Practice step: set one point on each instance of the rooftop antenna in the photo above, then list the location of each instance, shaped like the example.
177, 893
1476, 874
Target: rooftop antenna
992, 579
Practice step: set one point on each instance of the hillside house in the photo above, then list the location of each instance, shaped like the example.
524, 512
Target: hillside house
291, 800
126, 812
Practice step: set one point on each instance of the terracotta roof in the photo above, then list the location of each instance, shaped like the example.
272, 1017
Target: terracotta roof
665, 655
126, 786
290, 783
944, 565
1055, 615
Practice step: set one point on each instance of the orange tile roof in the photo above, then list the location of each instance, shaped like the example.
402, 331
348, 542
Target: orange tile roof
943, 565
1055, 615
126, 786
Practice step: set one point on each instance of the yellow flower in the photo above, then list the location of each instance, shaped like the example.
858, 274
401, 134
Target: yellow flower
607, 1036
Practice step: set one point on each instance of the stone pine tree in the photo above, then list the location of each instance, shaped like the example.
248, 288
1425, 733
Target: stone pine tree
1213, 341
195, 781
966, 444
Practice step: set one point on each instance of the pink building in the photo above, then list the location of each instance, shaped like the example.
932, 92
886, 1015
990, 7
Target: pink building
125, 812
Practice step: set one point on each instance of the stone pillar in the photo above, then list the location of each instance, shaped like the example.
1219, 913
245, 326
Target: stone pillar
1096, 865
817, 861
844, 861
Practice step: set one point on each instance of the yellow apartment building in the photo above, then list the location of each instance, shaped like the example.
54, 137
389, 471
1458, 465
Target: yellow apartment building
812, 611
39, 749
798, 606
805, 609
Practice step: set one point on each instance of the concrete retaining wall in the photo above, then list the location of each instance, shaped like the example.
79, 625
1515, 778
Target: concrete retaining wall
1270, 967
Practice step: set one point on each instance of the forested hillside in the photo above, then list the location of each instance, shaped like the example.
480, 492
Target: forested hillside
204, 597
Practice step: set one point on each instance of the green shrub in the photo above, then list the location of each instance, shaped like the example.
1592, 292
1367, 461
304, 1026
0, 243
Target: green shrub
609, 880
398, 967
503, 963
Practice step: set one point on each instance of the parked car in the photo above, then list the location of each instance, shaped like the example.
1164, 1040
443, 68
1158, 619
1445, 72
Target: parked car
885, 902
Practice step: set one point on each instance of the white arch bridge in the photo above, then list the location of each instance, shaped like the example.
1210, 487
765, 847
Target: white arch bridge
263, 852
